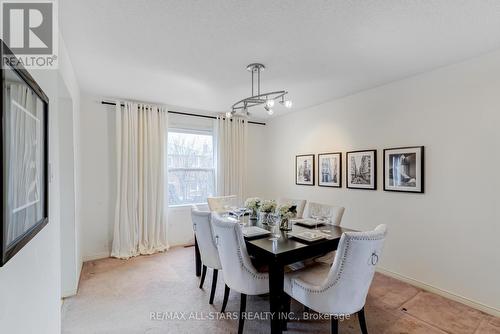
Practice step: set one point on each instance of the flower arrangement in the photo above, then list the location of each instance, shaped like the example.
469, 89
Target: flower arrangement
287, 211
268, 206
253, 203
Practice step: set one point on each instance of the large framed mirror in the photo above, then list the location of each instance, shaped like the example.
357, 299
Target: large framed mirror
24, 158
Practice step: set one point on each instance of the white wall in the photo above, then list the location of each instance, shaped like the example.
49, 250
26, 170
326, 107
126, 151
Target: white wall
98, 166
447, 238
30, 283
69, 97
69, 272
97, 178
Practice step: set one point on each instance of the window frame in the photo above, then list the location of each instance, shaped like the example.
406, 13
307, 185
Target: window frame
206, 132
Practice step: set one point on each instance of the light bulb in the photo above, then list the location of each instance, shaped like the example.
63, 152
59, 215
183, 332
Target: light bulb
288, 104
270, 111
229, 114
270, 103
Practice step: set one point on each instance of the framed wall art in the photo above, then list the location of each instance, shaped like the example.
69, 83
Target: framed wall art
404, 169
362, 169
304, 169
330, 170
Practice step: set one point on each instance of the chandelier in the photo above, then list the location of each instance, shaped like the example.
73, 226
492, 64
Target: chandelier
258, 98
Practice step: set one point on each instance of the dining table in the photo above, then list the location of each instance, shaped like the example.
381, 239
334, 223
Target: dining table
280, 249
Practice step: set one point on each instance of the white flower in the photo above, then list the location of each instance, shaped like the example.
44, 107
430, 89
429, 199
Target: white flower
287, 211
253, 203
268, 206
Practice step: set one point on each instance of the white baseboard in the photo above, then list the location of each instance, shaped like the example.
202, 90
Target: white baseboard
69, 293
424, 286
96, 256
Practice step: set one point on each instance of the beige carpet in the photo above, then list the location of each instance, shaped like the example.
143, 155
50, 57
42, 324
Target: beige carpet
119, 296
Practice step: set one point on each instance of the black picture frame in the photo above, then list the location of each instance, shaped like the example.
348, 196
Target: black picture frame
420, 171
312, 169
339, 154
373, 171
8, 251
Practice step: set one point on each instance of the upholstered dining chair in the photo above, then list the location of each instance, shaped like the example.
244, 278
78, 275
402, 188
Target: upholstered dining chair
221, 203
334, 214
239, 273
331, 212
340, 289
300, 203
202, 227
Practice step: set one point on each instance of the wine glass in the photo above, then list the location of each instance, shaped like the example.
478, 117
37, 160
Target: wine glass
238, 212
275, 227
317, 218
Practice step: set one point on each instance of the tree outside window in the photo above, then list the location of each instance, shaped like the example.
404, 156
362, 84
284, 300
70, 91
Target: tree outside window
191, 171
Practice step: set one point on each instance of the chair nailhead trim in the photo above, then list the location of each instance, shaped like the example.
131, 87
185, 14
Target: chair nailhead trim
240, 258
342, 264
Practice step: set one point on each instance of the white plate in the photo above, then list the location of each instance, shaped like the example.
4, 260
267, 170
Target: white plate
254, 231
308, 236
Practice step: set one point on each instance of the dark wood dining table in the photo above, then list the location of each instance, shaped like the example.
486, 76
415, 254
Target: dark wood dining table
277, 254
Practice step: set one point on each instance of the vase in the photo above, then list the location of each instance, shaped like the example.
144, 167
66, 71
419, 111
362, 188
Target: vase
264, 218
253, 215
285, 224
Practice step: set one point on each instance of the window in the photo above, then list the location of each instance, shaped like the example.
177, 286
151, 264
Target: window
191, 171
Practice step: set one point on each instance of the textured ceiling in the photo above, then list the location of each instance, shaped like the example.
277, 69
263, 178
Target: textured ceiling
193, 53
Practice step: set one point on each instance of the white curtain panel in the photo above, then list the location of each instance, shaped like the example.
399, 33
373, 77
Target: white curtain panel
231, 156
141, 208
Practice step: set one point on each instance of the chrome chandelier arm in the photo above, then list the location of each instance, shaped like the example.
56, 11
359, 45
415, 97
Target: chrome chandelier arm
257, 98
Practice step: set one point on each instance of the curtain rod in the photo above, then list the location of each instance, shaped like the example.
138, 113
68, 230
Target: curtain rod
186, 114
